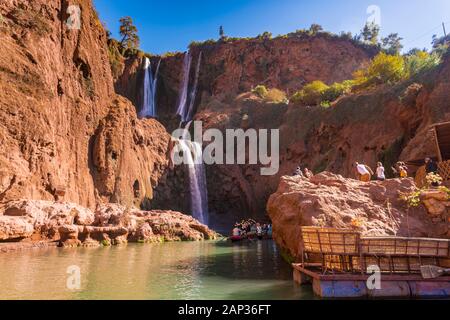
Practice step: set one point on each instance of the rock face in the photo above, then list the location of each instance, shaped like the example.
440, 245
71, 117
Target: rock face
73, 225
329, 200
386, 124
64, 132
233, 67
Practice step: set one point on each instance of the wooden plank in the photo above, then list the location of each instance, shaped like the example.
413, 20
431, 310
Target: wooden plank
437, 145
440, 124
360, 277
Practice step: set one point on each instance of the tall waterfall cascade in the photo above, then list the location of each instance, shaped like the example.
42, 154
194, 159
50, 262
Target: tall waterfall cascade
193, 158
148, 109
186, 101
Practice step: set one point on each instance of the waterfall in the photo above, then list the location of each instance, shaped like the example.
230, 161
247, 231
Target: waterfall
192, 151
186, 101
150, 85
193, 158
182, 101
190, 114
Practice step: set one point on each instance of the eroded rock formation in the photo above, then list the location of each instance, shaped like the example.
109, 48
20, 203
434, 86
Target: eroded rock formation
72, 225
64, 132
329, 200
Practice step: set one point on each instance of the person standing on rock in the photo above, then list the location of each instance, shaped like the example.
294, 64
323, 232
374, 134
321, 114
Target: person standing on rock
380, 172
363, 172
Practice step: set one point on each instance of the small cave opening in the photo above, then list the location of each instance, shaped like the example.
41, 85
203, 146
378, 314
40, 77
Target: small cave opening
136, 189
83, 67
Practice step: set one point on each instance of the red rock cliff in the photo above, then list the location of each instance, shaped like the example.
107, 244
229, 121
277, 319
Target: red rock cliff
232, 67
63, 130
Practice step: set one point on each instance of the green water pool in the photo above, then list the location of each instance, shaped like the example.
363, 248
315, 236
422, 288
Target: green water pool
188, 270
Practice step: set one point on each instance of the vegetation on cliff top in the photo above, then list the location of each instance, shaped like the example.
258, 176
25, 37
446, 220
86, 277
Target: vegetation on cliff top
315, 30
384, 69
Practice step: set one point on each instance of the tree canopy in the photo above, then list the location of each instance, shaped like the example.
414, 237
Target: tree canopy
128, 31
370, 32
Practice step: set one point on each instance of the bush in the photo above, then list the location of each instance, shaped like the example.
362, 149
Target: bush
115, 57
336, 90
275, 95
383, 69
421, 61
261, 91
311, 94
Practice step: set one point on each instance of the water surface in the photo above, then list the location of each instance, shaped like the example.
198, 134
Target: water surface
188, 270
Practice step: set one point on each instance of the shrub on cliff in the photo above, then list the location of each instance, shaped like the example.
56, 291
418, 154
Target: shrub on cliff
115, 57
383, 69
261, 91
276, 96
311, 94
421, 61
336, 90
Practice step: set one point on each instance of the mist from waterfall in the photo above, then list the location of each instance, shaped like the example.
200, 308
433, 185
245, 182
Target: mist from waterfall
150, 85
186, 101
193, 158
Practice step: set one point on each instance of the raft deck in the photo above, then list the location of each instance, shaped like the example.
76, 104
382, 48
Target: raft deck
338, 263
347, 285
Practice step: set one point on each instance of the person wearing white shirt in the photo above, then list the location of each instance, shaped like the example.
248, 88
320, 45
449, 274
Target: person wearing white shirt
380, 172
363, 172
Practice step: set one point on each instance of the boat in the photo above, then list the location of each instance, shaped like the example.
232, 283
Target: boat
343, 264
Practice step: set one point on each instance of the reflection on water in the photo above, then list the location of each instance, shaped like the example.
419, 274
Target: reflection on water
189, 270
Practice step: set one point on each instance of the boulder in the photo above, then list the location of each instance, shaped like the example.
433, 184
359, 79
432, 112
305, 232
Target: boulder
69, 236
74, 225
15, 228
329, 200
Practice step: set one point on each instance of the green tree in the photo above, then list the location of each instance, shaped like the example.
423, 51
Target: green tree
370, 33
265, 35
392, 44
128, 31
315, 29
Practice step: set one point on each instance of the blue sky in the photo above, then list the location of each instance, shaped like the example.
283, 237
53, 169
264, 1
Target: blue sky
171, 25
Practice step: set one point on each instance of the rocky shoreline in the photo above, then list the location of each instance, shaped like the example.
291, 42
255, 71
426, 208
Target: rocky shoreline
26, 224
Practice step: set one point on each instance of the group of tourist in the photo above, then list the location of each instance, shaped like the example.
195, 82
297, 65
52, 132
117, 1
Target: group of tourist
364, 172
250, 229
306, 173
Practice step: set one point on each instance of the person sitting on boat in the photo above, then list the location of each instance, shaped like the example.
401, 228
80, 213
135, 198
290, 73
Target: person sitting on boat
259, 231
252, 233
364, 173
236, 233
269, 231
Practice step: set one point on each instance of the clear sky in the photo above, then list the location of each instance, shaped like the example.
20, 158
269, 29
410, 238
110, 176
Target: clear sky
170, 25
